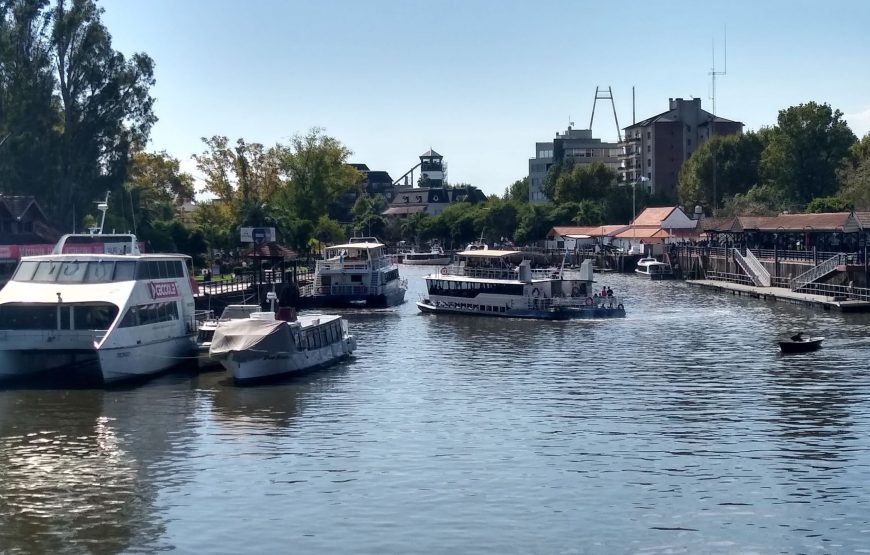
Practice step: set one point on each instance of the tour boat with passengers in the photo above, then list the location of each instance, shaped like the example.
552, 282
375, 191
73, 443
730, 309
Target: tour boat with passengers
357, 273
97, 307
503, 283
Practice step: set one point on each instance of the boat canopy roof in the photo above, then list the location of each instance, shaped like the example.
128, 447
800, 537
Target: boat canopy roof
480, 253
366, 246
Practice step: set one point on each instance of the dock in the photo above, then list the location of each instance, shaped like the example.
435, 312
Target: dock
783, 294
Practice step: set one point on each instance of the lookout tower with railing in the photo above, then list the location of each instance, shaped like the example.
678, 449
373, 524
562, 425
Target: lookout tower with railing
431, 169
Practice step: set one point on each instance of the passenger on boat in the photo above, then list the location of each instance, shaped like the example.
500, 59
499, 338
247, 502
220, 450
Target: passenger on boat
609, 292
798, 336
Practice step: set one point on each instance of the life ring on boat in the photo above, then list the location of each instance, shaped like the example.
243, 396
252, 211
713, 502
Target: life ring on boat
435, 198
575, 291
444, 271
536, 292
589, 301
620, 307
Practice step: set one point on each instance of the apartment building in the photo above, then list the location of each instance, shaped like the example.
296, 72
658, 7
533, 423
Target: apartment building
653, 150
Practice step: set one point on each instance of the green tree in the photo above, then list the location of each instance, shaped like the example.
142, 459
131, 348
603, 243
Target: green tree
518, 191
806, 148
316, 172
105, 103
828, 204
855, 175
328, 231
583, 182
761, 200
721, 167
162, 173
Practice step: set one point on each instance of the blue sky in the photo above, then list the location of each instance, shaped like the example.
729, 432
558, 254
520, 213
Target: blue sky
480, 81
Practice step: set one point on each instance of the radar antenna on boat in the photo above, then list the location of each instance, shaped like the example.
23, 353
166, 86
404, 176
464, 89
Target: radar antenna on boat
102, 206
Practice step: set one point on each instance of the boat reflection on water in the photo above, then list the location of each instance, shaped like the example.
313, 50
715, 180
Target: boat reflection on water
78, 467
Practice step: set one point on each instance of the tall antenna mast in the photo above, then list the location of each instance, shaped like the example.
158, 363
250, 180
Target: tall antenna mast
713, 73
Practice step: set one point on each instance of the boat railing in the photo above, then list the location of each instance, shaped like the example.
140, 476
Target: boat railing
498, 273
575, 302
339, 265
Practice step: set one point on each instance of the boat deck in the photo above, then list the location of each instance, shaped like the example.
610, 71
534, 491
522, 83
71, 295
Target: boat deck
785, 295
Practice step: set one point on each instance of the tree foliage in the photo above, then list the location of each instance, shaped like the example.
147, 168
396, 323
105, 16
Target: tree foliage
724, 166
855, 175
806, 148
518, 191
72, 109
583, 182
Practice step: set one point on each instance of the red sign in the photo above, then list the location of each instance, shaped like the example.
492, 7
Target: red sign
162, 289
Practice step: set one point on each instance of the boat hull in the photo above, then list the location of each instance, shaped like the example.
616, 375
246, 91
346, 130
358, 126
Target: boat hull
108, 365
383, 300
655, 276
556, 313
805, 346
443, 261
284, 364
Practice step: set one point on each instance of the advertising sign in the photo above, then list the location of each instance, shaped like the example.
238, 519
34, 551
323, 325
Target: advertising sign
162, 289
258, 234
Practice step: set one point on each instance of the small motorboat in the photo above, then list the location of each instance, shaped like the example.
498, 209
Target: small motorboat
799, 344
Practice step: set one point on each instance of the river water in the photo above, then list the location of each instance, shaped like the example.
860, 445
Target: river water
679, 429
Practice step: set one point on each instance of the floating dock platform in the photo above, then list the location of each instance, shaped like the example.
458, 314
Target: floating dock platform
782, 294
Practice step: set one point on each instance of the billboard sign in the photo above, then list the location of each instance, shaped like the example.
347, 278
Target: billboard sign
258, 235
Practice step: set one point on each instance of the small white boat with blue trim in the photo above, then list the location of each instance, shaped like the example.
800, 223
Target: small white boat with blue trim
654, 269
503, 283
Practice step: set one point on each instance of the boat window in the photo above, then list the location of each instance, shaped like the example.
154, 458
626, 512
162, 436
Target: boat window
65, 317
25, 271
356, 278
99, 271
94, 316
125, 271
72, 272
149, 314
16, 316
47, 271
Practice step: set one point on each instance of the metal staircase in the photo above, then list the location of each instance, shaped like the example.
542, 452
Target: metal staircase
817, 272
754, 269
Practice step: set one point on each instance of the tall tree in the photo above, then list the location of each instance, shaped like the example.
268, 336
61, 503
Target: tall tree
855, 175
583, 182
105, 101
316, 172
28, 115
806, 149
518, 191
719, 168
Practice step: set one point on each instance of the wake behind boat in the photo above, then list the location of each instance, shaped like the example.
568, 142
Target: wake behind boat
488, 283
262, 347
98, 305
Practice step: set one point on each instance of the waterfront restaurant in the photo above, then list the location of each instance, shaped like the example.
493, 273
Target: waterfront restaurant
829, 232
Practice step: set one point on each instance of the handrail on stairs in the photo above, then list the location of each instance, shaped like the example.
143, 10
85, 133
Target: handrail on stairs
816, 272
760, 270
747, 267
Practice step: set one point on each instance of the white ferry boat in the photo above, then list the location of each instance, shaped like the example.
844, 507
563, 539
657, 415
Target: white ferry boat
435, 257
262, 347
97, 305
358, 273
654, 269
503, 283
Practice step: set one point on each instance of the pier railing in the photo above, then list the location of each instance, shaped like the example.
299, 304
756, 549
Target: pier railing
802, 280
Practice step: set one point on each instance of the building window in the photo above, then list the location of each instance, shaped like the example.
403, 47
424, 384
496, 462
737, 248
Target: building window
649, 175
649, 148
648, 135
689, 142
649, 162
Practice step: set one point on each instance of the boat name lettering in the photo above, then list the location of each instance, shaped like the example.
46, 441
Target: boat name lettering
124, 354
162, 289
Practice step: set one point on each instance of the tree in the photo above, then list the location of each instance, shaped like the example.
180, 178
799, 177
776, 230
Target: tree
29, 118
316, 172
328, 231
721, 167
828, 204
518, 191
855, 175
105, 102
806, 149
161, 173
761, 200
583, 182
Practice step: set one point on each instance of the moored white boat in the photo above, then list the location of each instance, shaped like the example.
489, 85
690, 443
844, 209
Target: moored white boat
261, 347
205, 330
435, 257
489, 283
654, 269
98, 305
